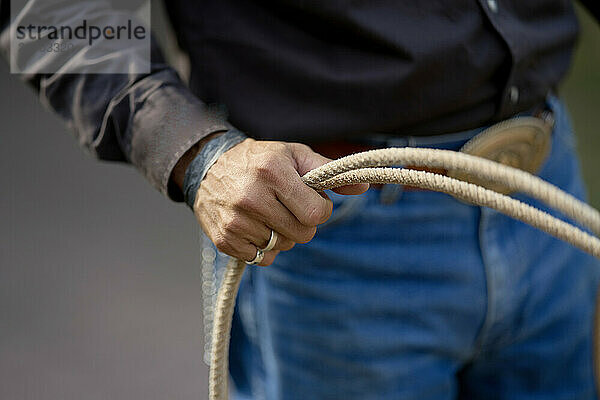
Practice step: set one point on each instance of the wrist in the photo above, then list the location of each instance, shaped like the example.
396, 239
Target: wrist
178, 174
205, 156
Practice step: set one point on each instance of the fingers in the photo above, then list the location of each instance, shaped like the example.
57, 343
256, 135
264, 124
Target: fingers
257, 215
284, 244
247, 251
235, 246
240, 236
256, 187
307, 205
242, 249
282, 221
269, 258
261, 234
307, 160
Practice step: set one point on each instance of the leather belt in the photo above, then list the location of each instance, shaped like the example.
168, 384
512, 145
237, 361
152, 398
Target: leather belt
522, 142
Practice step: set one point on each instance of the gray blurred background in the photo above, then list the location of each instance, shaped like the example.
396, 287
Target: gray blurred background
99, 274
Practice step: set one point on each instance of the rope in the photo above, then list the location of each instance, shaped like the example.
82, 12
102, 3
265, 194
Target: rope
367, 168
487, 170
219, 355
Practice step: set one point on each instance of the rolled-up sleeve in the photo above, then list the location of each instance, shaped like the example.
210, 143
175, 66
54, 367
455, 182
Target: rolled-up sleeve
169, 120
149, 120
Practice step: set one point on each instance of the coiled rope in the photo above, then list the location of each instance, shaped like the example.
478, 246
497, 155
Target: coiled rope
373, 167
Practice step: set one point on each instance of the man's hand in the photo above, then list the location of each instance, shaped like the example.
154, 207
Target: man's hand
254, 187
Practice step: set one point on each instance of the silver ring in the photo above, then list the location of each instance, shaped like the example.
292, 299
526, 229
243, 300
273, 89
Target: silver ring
272, 242
259, 257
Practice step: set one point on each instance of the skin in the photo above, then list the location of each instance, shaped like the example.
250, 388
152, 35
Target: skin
254, 187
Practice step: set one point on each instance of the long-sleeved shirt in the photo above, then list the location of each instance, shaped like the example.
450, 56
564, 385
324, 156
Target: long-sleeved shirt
313, 71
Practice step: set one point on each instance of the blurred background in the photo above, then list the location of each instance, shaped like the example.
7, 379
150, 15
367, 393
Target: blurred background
581, 90
99, 273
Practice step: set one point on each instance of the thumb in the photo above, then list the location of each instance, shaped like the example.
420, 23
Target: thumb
306, 160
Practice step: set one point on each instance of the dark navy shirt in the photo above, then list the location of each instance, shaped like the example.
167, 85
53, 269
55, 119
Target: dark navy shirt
313, 70
319, 70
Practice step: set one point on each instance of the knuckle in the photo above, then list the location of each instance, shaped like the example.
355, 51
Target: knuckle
233, 224
300, 146
221, 243
245, 201
269, 166
280, 147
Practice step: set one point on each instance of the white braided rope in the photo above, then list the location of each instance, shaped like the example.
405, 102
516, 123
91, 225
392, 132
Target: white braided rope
490, 171
357, 168
219, 357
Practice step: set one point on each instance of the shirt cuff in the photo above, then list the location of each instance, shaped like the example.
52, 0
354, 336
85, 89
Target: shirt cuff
166, 125
205, 158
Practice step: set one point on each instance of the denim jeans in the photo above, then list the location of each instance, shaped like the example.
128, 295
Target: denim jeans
425, 297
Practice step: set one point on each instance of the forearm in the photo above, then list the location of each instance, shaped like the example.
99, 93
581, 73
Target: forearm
149, 119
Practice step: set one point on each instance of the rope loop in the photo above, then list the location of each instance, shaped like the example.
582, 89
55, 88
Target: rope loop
374, 167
